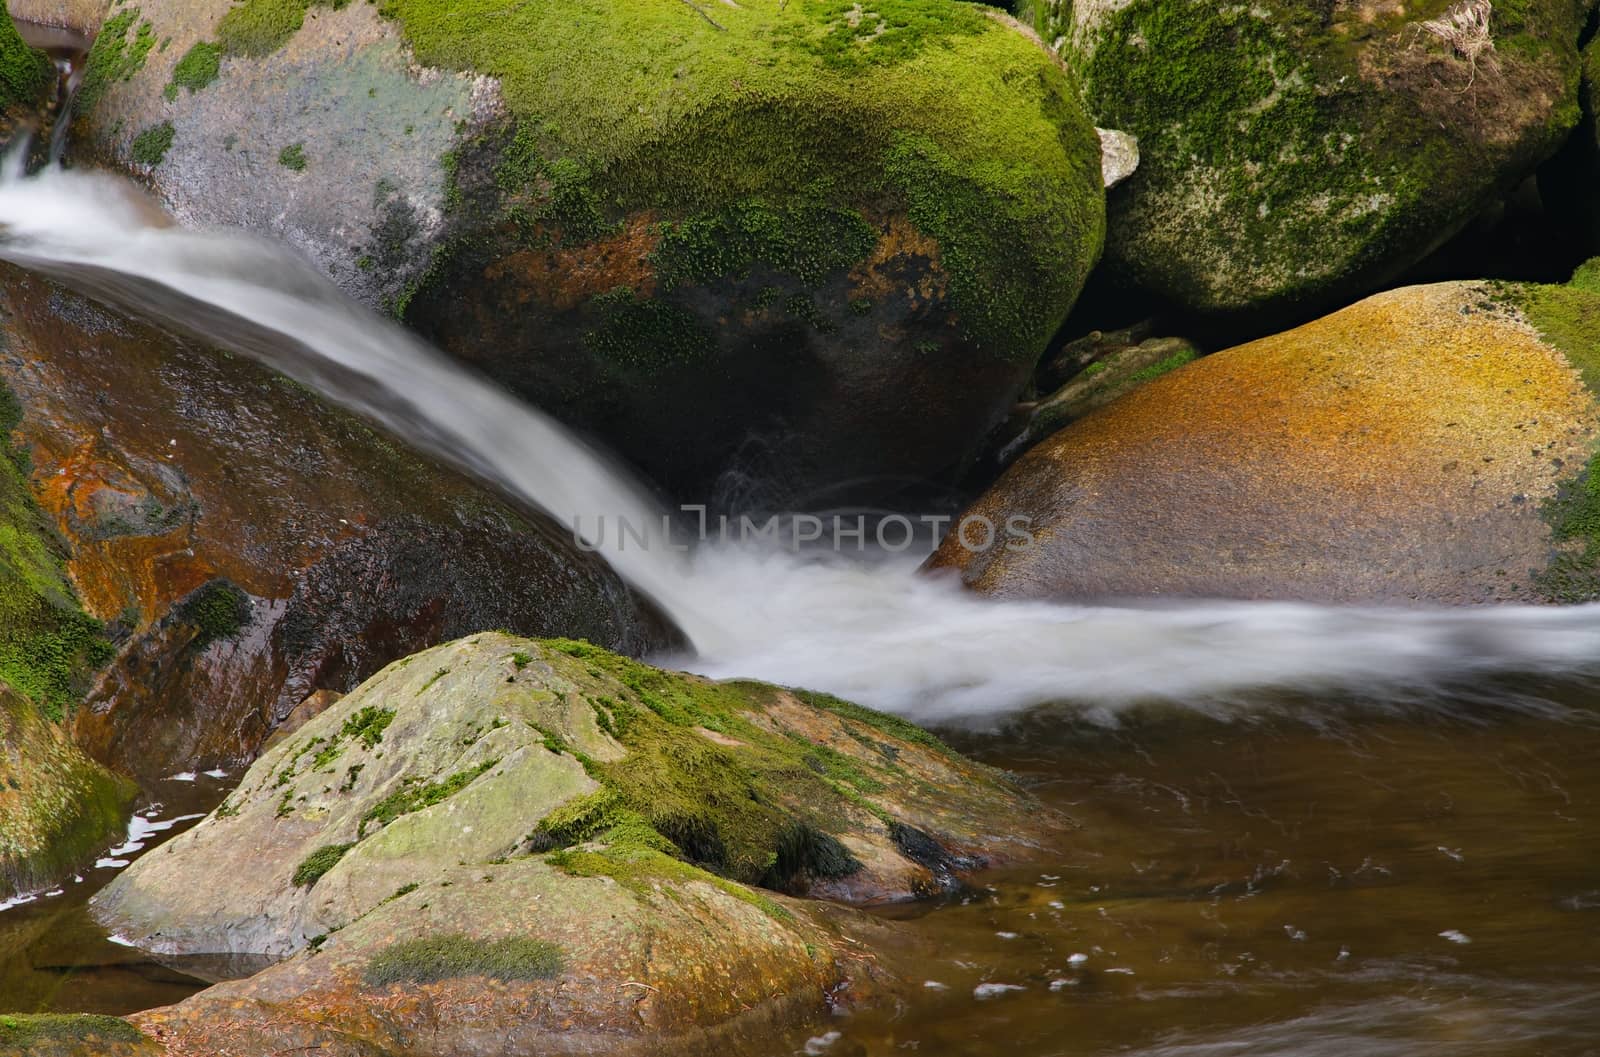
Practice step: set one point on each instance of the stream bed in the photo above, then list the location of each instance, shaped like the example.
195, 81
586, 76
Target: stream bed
1315, 886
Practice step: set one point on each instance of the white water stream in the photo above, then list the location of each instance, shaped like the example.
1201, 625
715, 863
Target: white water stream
869, 630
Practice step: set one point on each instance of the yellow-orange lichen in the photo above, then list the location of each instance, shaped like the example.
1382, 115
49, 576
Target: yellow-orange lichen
896, 266
1398, 449
562, 278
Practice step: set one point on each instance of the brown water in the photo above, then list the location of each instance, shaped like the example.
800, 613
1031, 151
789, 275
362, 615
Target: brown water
1369, 885
54, 958
1261, 886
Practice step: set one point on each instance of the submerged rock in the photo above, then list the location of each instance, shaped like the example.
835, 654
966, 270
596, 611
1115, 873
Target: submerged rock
1429, 444
1294, 153
846, 230
252, 544
587, 831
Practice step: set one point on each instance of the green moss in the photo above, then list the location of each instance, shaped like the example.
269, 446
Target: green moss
1285, 154
151, 145
260, 27
640, 868
643, 333
367, 725
885, 32
115, 56
314, 866
24, 72
415, 794
293, 157
218, 611
199, 67
434, 958
38, 1029
810, 241
643, 108
1156, 370
48, 645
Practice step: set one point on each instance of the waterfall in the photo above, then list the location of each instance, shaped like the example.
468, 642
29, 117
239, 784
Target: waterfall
869, 629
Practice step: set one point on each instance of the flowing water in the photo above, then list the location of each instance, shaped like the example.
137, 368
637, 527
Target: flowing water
866, 629
1308, 830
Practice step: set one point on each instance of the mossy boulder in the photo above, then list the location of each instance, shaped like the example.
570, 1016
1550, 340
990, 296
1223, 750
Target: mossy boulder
246, 543
1431, 444
847, 229
1298, 152
571, 825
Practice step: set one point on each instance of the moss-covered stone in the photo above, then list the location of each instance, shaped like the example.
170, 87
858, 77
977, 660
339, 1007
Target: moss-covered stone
24, 72
497, 748
543, 826
57, 808
675, 227
1293, 153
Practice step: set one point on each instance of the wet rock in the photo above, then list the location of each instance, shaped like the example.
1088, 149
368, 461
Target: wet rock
766, 237
608, 843
1294, 154
253, 545
57, 807
1429, 444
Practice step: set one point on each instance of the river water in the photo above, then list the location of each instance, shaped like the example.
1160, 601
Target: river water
1357, 883
1306, 830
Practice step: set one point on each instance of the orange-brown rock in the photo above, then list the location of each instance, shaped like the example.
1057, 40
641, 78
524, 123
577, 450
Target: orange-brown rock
1424, 445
